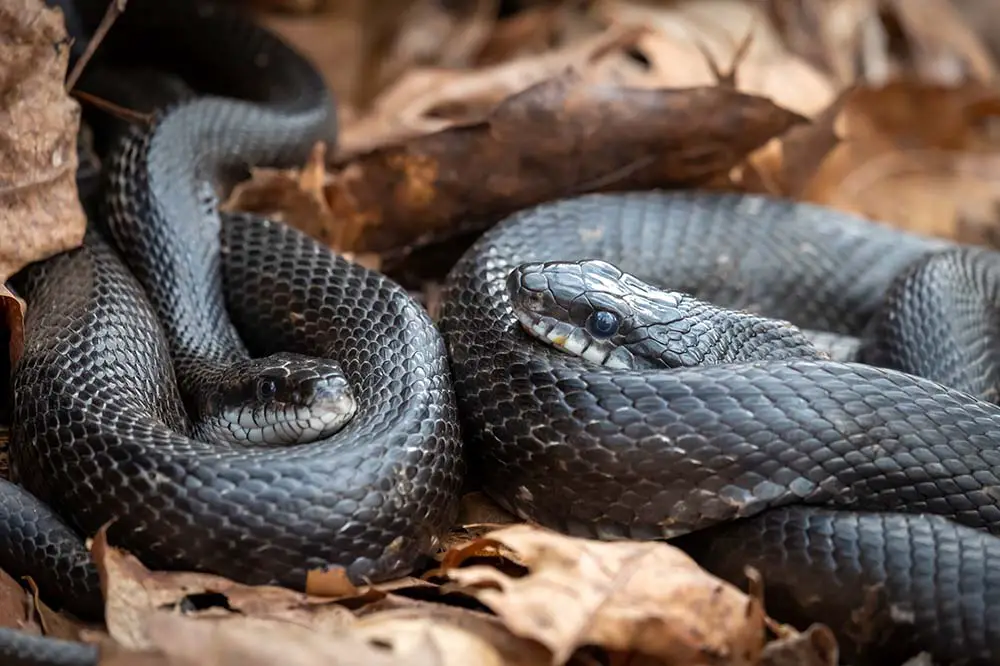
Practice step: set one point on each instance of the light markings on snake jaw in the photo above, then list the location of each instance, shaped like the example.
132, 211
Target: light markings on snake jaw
574, 340
270, 426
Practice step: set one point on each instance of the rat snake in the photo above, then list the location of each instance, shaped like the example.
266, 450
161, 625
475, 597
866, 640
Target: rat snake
811, 469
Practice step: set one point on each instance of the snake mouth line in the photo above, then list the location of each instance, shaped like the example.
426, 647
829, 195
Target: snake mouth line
569, 339
290, 424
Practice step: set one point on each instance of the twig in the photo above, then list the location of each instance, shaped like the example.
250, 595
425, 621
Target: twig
115, 8
727, 79
111, 107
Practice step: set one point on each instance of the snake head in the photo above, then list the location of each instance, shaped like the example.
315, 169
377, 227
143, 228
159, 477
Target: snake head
279, 399
593, 310
576, 306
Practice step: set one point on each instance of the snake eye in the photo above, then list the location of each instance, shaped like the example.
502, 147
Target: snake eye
603, 324
267, 388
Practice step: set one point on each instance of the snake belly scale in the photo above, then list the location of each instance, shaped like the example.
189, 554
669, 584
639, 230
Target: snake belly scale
893, 467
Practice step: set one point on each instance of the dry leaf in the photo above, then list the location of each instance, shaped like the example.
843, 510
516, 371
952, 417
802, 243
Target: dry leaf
857, 41
946, 48
477, 516
12, 309
404, 634
134, 595
678, 31
38, 128
513, 650
983, 15
291, 196
646, 598
476, 508
112, 654
60, 624
428, 100
816, 646
432, 34
919, 156
544, 143
333, 584
825, 34
14, 604
480, 548
787, 164
249, 641
536, 30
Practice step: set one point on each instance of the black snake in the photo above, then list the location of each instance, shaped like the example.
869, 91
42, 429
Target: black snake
843, 471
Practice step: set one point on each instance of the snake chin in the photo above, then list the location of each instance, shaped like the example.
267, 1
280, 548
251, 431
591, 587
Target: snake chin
283, 399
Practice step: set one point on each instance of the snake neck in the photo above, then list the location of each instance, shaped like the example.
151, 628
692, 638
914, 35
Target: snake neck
163, 219
164, 177
163, 216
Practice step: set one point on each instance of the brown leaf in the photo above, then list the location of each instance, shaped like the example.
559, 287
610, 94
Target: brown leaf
134, 595
535, 31
291, 196
946, 47
330, 583
920, 156
23, 610
333, 584
983, 15
404, 633
382, 618
428, 100
647, 598
249, 641
827, 34
296, 197
679, 34
480, 548
38, 126
12, 321
431, 33
14, 604
61, 624
112, 654
878, 41
787, 165
816, 646
561, 137
476, 508
477, 515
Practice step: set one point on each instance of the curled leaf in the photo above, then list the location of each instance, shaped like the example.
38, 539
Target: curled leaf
645, 598
135, 596
38, 129
558, 138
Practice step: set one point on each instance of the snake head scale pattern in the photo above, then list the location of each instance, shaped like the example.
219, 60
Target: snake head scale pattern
282, 399
594, 310
581, 307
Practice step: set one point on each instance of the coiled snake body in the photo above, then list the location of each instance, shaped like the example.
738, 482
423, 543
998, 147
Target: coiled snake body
99, 428
849, 473
838, 459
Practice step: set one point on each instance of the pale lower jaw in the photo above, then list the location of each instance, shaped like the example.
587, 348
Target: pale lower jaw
573, 340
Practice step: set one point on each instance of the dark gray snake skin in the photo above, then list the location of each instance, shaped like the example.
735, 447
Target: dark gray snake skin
99, 429
609, 453
844, 472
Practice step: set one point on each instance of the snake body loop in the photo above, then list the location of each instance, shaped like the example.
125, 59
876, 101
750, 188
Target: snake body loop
100, 430
818, 470
645, 452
